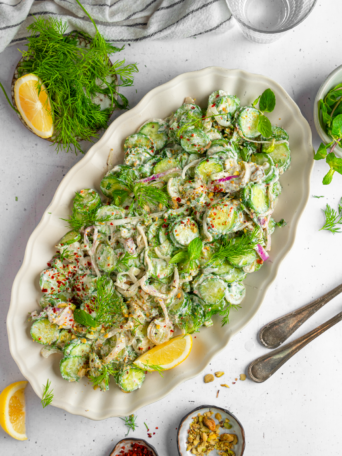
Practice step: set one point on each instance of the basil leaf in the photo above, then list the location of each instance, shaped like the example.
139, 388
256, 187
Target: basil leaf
84, 319
195, 249
180, 256
321, 152
264, 126
267, 101
336, 127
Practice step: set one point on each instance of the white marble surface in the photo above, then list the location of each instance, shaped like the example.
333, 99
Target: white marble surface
296, 412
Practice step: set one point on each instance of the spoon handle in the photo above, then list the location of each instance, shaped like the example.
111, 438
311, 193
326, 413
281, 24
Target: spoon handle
264, 367
277, 331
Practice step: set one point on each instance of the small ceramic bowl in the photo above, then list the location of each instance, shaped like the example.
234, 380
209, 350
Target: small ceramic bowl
126, 444
237, 429
332, 80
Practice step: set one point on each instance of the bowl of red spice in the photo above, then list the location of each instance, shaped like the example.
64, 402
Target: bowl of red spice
133, 447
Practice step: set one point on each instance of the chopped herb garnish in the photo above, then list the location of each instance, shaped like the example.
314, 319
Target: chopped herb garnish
48, 395
130, 422
333, 219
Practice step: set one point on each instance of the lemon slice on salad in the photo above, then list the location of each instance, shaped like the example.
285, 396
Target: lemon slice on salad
167, 355
34, 107
12, 410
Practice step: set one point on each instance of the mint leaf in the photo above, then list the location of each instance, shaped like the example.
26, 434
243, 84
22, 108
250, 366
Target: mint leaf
264, 126
195, 249
84, 319
328, 177
267, 101
256, 101
321, 152
180, 256
336, 127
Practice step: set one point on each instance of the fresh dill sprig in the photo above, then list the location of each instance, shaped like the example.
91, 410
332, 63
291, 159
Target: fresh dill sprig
236, 247
74, 76
130, 422
226, 312
332, 219
149, 195
103, 376
48, 395
154, 367
78, 220
108, 304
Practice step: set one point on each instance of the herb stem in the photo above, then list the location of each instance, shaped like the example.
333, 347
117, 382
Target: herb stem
3, 89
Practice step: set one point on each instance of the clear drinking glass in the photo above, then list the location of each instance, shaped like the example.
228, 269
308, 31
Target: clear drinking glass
265, 21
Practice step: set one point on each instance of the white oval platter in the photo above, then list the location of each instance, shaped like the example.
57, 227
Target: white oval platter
80, 398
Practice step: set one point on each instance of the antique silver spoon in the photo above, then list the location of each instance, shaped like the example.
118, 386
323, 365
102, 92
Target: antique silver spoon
277, 331
264, 367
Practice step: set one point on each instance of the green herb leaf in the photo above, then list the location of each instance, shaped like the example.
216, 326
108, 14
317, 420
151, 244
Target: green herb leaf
154, 367
336, 127
236, 247
314, 196
281, 223
324, 111
321, 152
146, 426
149, 195
8, 100
179, 257
48, 395
256, 101
103, 377
332, 219
267, 101
130, 422
84, 319
264, 126
119, 196
195, 249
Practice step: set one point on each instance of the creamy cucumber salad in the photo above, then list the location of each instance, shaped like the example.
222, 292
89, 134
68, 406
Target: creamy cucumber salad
167, 243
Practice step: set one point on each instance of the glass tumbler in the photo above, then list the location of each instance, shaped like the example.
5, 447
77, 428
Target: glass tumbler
264, 21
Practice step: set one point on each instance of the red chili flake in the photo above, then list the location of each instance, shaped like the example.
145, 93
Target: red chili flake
181, 137
213, 105
44, 290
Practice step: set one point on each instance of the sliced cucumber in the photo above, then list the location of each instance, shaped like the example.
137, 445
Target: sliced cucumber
211, 289
77, 347
224, 218
195, 319
239, 261
271, 172
255, 196
86, 200
164, 165
248, 122
44, 332
281, 156
276, 190
161, 268
105, 258
130, 378
194, 141
226, 106
70, 367
236, 292
52, 281
152, 233
163, 233
137, 156
156, 130
207, 167
227, 271
180, 305
166, 248
184, 231
64, 337
104, 216
84, 286
139, 140
70, 238
111, 183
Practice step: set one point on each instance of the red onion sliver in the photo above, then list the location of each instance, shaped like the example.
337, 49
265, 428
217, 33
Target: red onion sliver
159, 175
262, 252
224, 179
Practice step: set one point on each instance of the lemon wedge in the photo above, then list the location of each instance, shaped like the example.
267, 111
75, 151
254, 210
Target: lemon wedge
12, 410
167, 355
34, 107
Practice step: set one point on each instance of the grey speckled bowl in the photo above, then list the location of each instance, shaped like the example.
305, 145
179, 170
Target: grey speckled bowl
127, 443
237, 429
332, 80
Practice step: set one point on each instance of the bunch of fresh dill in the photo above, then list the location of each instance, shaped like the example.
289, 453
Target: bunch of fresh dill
74, 76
